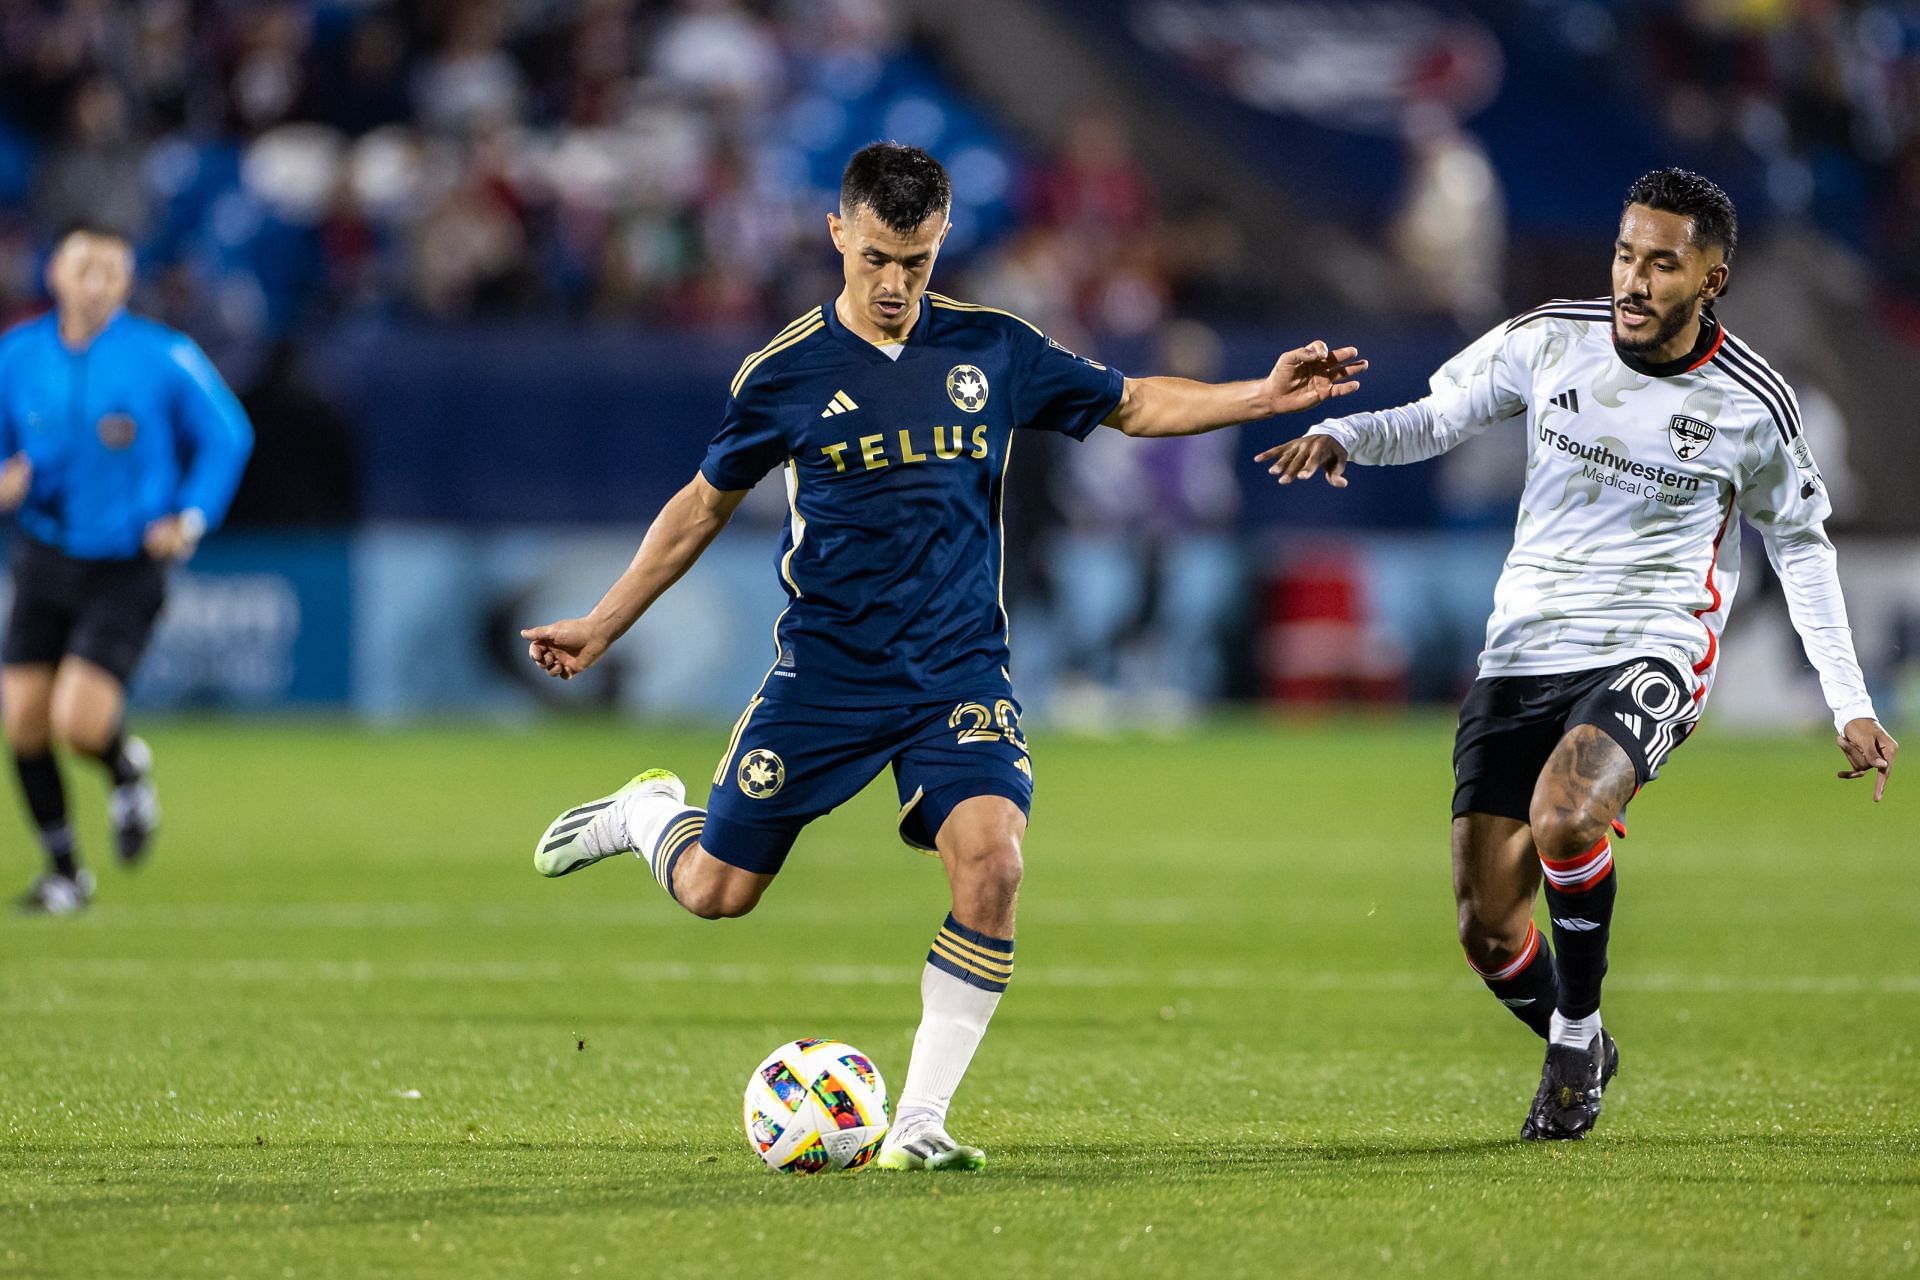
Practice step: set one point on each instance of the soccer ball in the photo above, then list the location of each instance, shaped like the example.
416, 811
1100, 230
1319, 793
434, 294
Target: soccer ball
816, 1105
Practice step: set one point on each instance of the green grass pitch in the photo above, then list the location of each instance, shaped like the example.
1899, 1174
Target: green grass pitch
340, 1028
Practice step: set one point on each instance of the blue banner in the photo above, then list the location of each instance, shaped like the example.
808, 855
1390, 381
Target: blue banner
255, 621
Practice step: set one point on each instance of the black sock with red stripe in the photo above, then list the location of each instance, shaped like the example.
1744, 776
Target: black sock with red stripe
1526, 985
1580, 894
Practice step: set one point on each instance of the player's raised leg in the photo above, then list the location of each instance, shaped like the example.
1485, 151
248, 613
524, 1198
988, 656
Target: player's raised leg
26, 703
1587, 782
1496, 877
967, 970
650, 818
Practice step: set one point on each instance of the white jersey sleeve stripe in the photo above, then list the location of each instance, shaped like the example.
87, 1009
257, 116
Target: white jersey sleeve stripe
1565, 309
1769, 395
1760, 369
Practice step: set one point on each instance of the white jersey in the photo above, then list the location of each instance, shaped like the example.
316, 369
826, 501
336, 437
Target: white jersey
1624, 547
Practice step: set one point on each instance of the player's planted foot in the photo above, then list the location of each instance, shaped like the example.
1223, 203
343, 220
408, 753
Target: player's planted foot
585, 834
56, 895
1610, 1067
1571, 1083
927, 1147
133, 808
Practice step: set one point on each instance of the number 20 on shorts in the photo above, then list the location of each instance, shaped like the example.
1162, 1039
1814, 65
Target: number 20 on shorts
977, 724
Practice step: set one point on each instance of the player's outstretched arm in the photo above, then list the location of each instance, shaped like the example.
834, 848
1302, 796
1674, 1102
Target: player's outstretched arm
1479, 389
1301, 378
682, 531
1380, 438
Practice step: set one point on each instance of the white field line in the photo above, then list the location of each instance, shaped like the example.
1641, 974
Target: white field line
648, 911
360, 972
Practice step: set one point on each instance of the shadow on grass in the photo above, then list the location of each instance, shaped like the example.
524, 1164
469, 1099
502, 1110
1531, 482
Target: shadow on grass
332, 1184
1778, 1160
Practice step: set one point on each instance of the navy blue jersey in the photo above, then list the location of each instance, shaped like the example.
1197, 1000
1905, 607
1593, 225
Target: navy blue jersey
893, 556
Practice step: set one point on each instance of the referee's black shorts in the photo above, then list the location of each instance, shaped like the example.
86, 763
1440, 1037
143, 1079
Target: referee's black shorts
99, 610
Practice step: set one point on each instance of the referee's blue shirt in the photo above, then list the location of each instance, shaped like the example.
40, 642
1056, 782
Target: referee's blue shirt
132, 427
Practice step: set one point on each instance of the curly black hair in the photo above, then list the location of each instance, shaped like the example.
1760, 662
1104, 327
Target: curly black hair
1698, 199
904, 186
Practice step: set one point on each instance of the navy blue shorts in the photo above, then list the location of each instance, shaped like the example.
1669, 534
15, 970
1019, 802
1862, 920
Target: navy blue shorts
789, 763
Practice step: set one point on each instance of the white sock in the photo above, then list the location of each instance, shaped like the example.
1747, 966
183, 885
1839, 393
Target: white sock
966, 973
656, 828
1573, 1033
645, 818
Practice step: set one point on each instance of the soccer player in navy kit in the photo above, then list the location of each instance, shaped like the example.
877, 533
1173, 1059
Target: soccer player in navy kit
122, 448
892, 411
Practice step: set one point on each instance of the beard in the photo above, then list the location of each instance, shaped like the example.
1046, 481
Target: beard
1666, 325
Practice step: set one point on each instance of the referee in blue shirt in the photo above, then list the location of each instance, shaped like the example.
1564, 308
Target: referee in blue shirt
123, 447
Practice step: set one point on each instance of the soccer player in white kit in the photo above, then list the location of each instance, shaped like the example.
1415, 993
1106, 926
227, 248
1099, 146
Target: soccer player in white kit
1647, 425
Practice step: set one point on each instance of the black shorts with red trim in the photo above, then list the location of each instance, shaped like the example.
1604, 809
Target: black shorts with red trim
1509, 726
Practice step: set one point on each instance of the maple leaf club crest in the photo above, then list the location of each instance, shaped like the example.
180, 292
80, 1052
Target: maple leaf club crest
967, 387
761, 774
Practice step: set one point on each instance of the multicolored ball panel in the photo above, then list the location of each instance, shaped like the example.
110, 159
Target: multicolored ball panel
762, 1130
815, 1105
867, 1152
785, 1085
812, 1158
837, 1104
862, 1069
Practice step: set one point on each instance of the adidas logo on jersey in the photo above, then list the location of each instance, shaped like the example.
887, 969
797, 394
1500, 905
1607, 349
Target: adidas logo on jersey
1632, 722
841, 403
1568, 400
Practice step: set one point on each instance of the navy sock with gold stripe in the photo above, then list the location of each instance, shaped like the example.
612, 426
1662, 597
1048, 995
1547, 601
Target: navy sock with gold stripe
977, 959
681, 832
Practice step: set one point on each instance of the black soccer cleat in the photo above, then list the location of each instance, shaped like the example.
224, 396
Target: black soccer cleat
1571, 1083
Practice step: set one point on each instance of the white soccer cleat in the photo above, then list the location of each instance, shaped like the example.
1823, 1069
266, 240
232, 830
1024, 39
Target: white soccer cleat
587, 833
56, 895
133, 809
927, 1147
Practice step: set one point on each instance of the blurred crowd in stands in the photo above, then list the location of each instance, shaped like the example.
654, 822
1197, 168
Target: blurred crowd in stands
286, 163
1825, 94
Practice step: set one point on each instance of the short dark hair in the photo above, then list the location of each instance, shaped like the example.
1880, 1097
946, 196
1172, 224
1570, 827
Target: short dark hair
1698, 199
904, 186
